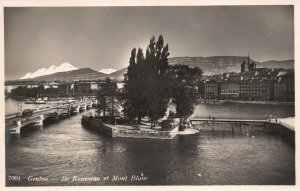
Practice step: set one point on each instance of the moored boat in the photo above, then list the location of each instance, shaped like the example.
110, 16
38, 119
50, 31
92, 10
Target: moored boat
37, 101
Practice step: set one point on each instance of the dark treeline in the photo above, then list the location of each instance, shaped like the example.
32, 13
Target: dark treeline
61, 90
34, 92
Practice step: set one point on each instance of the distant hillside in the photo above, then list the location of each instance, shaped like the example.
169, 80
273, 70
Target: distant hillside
118, 75
221, 64
80, 74
215, 64
211, 65
288, 64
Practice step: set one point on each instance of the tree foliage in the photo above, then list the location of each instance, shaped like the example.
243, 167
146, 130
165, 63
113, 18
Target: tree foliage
145, 84
33, 92
107, 97
150, 84
184, 82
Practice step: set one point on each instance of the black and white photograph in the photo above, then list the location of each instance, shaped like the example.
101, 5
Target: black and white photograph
156, 95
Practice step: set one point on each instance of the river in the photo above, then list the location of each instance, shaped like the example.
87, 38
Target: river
65, 149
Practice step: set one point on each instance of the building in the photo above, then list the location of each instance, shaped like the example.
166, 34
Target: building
201, 89
284, 87
229, 90
212, 90
85, 88
256, 84
280, 91
248, 66
256, 90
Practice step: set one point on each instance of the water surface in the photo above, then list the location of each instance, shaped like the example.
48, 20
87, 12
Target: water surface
68, 149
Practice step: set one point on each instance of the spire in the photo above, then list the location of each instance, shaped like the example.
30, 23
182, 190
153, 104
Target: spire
248, 58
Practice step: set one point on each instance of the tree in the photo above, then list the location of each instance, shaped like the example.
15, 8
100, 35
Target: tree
156, 64
184, 82
145, 89
40, 90
52, 91
129, 87
107, 96
32, 92
140, 85
20, 91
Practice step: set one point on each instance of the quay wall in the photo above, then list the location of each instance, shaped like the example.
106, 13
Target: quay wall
145, 133
115, 131
97, 125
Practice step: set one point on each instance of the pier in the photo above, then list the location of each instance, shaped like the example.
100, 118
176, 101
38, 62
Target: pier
287, 123
14, 122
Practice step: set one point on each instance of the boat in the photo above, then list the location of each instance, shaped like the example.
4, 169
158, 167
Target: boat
74, 109
37, 101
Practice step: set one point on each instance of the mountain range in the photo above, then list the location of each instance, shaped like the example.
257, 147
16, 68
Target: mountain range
107, 71
73, 75
209, 65
64, 67
222, 64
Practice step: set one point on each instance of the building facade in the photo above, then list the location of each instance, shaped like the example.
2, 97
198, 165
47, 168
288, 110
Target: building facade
212, 90
284, 88
229, 90
256, 90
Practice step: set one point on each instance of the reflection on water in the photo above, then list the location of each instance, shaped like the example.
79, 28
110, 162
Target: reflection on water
68, 149
255, 111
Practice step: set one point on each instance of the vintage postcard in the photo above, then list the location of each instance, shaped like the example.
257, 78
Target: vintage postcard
104, 94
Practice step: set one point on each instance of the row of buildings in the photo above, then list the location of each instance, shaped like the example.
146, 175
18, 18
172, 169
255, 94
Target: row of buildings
253, 84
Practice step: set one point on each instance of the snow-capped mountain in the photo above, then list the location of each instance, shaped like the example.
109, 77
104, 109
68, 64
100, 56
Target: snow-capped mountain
107, 71
64, 67
27, 76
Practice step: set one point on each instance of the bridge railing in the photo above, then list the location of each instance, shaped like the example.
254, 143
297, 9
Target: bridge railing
46, 108
25, 120
11, 115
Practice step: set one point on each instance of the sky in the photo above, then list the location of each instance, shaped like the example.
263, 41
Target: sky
103, 37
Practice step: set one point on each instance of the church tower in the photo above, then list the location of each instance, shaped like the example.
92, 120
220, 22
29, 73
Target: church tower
247, 65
